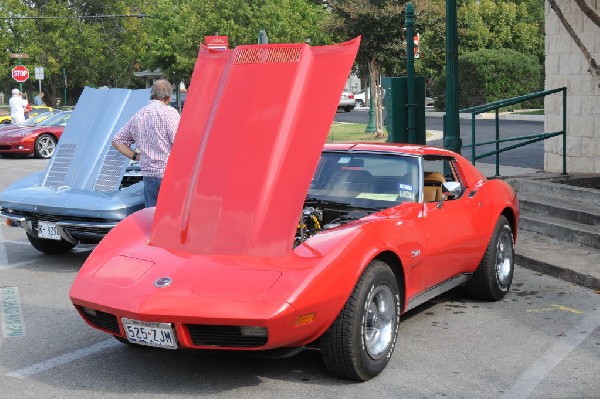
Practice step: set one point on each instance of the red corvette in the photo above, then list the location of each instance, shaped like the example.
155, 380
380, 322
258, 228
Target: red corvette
39, 140
264, 241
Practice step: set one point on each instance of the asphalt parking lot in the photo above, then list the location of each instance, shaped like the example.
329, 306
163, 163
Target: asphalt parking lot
541, 341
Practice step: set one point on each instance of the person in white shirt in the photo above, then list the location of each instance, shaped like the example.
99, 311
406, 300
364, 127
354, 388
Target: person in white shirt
17, 108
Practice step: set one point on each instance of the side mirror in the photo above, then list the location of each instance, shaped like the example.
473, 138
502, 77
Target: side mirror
452, 189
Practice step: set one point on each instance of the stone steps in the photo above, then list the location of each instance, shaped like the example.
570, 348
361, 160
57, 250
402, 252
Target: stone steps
559, 231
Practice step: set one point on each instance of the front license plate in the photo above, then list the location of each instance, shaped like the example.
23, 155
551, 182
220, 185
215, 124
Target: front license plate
149, 333
48, 230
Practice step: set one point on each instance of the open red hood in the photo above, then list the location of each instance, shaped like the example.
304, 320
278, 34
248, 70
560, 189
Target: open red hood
255, 121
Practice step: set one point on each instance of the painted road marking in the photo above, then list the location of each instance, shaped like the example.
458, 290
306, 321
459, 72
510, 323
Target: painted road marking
3, 257
13, 265
18, 242
13, 324
538, 371
556, 307
63, 359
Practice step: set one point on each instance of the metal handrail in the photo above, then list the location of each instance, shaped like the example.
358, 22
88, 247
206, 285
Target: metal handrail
495, 106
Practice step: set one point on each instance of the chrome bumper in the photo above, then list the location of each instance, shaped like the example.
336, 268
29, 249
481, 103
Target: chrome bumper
69, 230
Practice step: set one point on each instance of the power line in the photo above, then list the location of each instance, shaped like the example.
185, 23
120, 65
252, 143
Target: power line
82, 17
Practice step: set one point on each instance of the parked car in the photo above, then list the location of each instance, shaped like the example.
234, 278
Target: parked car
347, 101
33, 121
88, 186
361, 101
39, 140
38, 109
361, 98
175, 101
293, 244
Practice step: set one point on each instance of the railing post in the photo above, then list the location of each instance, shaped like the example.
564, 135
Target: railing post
497, 143
473, 138
564, 91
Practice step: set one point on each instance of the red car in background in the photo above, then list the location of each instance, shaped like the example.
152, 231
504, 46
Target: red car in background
39, 140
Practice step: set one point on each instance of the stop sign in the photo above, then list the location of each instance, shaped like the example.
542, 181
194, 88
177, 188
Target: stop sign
20, 73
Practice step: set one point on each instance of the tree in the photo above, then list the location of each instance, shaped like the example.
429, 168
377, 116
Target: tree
64, 37
380, 23
177, 37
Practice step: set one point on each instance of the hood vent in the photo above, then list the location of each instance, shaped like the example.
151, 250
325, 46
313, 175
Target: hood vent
262, 55
109, 177
59, 166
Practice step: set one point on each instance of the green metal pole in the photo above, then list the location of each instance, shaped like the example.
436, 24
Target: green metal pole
65, 76
452, 140
262, 37
371, 126
410, 74
497, 142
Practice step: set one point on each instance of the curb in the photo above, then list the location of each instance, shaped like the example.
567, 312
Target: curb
502, 116
584, 280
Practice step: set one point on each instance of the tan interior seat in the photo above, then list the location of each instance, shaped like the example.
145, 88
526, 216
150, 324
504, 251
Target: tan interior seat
432, 190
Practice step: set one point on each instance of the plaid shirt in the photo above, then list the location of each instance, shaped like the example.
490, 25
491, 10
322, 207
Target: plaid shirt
153, 130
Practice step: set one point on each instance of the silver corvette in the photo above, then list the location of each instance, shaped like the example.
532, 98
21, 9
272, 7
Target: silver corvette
88, 186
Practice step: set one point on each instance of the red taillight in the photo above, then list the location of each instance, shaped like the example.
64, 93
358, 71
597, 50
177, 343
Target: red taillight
351, 96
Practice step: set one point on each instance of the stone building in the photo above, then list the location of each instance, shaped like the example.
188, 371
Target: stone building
572, 61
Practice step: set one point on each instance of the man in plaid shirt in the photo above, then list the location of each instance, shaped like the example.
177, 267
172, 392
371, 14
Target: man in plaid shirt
153, 130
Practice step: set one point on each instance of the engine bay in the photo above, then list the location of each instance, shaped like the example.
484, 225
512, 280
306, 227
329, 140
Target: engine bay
324, 216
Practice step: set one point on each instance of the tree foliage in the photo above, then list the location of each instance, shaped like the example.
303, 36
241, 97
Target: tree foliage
178, 35
106, 51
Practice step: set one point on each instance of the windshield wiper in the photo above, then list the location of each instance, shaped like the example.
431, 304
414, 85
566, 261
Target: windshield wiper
340, 204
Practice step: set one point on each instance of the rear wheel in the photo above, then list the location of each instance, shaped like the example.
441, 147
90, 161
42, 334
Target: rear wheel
51, 247
493, 277
360, 342
44, 146
348, 108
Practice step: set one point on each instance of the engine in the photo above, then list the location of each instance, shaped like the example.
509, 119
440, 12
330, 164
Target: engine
316, 219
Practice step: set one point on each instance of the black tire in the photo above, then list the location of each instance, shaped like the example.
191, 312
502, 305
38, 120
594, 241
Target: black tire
353, 347
493, 277
359, 103
44, 146
348, 108
50, 247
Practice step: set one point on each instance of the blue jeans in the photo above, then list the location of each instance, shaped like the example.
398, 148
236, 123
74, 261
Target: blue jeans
151, 188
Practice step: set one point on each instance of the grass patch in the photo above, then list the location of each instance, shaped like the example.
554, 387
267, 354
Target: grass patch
341, 132
351, 132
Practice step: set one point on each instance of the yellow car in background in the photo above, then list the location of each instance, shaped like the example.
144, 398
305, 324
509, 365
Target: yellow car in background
35, 110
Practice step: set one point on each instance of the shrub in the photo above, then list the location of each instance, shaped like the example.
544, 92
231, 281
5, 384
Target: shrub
485, 76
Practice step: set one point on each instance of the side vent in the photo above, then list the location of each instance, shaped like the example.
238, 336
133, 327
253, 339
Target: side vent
263, 55
61, 161
109, 177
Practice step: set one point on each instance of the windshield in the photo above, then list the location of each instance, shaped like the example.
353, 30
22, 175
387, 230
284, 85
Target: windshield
59, 119
34, 120
369, 180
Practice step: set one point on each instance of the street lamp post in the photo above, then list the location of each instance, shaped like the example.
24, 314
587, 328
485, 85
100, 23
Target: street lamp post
452, 140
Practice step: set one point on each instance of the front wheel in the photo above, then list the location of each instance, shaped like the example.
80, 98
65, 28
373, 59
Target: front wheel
360, 342
51, 247
44, 146
359, 103
493, 277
